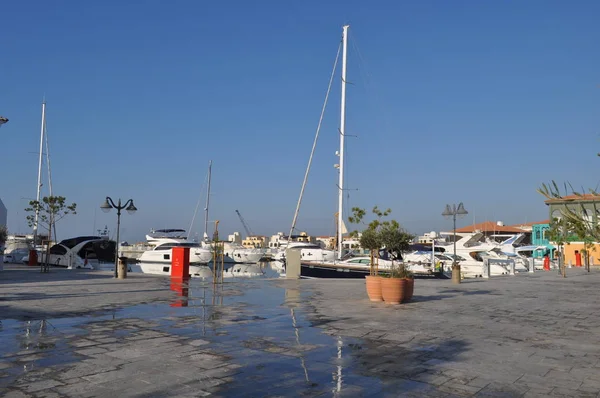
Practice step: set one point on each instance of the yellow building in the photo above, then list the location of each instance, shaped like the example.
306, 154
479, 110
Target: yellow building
255, 241
304, 237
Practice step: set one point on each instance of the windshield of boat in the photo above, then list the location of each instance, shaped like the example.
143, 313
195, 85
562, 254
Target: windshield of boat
455, 257
170, 245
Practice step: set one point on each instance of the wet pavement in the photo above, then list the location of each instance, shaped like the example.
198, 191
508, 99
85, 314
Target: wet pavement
84, 334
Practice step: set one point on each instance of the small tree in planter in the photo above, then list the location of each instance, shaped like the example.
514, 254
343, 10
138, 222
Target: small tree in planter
380, 233
3, 237
369, 239
399, 286
50, 210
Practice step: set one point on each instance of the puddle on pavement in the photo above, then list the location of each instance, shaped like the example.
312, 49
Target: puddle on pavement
262, 327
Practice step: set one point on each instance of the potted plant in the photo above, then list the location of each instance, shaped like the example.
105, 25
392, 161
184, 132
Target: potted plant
399, 286
370, 239
396, 240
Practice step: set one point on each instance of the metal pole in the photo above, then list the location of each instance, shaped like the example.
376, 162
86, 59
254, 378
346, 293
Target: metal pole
454, 258
433, 253
117, 245
342, 136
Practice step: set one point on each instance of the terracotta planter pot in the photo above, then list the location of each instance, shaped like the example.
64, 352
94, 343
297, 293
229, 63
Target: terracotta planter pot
409, 290
374, 287
392, 290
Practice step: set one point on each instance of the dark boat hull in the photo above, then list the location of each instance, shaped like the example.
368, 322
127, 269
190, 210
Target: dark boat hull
313, 270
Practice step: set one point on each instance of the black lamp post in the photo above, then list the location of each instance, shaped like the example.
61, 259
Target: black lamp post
109, 204
453, 211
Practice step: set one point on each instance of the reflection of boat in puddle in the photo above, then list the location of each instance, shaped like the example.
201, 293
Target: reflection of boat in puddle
196, 271
278, 266
202, 271
243, 271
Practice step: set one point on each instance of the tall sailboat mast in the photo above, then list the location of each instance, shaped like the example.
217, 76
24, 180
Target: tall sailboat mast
340, 223
39, 180
207, 201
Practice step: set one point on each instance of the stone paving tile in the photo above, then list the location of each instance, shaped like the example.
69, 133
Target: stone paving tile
481, 338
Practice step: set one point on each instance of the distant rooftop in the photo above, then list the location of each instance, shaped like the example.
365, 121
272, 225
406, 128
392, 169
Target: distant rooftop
530, 224
489, 226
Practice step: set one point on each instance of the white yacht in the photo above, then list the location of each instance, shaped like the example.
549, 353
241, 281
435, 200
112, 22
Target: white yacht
236, 253
90, 252
162, 241
308, 252
473, 249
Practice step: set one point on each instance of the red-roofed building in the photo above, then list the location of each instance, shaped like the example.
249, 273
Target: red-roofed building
490, 228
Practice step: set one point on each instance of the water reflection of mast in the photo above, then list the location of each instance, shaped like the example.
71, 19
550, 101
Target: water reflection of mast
339, 367
203, 310
302, 363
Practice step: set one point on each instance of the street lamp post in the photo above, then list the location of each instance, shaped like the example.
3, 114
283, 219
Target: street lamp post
453, 211
106, 206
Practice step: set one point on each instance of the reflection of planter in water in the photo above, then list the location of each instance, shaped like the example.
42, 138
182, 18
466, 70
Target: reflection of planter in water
392, 290
374, 287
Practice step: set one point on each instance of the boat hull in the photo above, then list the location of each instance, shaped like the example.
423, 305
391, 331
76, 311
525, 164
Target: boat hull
338, 271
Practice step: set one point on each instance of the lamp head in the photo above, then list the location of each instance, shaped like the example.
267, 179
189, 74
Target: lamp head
461, 210
106, 206
447, 211
131, 208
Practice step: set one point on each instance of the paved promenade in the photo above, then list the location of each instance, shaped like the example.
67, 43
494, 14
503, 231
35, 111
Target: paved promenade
84, 334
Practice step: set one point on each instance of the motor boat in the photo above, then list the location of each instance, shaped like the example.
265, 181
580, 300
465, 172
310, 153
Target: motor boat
87, 252
308, 252
157, 259
236, 253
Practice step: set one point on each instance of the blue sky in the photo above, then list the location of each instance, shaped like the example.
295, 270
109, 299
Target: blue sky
469, 101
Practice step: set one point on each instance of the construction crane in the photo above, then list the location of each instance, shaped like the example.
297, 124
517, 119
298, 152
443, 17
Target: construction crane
246, 227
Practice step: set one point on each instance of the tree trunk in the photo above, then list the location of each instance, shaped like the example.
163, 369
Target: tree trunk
587, 260
562, 263
46, 264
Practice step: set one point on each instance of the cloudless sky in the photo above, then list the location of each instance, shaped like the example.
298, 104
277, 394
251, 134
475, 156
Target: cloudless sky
469, 101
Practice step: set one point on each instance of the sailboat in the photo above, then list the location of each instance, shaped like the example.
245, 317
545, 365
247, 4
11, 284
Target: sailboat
37, 250
308, 251
338, 267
